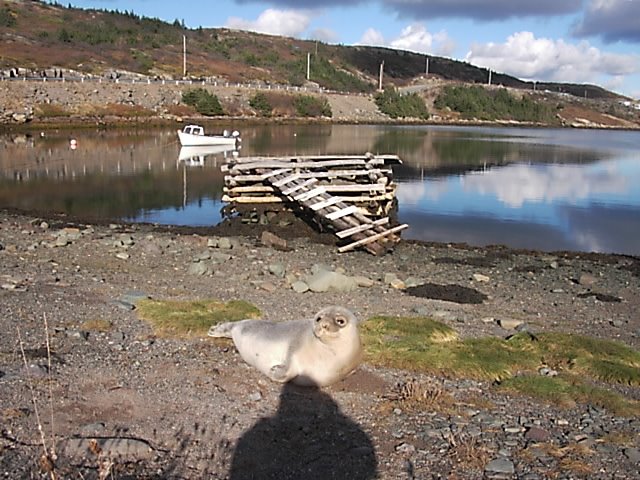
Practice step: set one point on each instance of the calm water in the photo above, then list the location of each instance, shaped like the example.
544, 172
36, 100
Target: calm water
542, 189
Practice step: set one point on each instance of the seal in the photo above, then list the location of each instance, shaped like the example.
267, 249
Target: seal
310, 352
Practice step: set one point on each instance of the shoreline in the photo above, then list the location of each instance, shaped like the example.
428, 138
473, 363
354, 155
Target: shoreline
121, 123
299, 229
57, 105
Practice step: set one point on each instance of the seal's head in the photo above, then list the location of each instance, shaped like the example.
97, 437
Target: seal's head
332, 322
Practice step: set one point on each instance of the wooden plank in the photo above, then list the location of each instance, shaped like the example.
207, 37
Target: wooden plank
342, 212
325, 203
273, 173
300, 186
305, 175
367, 187
365, 226
372, 238
310, 194
248, 200
235, 191
286, 180
249, 189
388, 158
291, 165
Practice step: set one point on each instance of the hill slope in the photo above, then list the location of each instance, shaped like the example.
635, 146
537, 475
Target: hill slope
38, 36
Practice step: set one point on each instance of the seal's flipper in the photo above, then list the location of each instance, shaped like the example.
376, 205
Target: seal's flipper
278, 373
221, 330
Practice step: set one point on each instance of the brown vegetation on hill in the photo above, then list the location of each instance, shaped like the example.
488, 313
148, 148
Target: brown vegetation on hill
38, 36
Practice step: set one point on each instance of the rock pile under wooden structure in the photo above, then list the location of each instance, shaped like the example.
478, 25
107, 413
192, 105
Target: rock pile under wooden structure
351, 195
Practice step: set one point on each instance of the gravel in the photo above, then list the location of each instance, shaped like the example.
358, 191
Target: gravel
123, 401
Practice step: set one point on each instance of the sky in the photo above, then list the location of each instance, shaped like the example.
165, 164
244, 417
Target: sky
578, 41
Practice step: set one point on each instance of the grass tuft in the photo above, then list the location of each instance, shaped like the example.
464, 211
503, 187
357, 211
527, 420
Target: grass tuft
425, 345
192, 318
96, 325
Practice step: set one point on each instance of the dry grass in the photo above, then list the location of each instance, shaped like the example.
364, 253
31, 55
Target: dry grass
48, 110
415, 395
96, 325
468, 451
121, 110
573, 457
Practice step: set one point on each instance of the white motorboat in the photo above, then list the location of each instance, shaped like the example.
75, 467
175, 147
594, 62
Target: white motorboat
193, 135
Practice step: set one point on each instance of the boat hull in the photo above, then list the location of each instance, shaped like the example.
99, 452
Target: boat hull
189, 140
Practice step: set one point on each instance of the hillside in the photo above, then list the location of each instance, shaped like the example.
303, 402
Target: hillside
38, 36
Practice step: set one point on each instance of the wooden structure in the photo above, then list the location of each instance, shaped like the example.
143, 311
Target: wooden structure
351, 195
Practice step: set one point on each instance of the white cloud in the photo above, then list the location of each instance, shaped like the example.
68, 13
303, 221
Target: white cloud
526, 56
372, 37
324, 35
415, 38
289, 23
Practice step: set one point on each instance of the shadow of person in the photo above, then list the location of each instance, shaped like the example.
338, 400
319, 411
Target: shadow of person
308, 438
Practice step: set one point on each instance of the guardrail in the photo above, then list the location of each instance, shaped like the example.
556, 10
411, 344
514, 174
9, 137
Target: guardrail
153, 81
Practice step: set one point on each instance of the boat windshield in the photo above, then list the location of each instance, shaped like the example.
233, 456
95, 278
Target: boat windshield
194, 130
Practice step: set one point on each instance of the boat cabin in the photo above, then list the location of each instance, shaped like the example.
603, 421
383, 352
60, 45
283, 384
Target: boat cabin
193, 130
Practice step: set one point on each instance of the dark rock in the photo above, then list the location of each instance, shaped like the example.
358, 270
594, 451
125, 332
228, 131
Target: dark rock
537, 434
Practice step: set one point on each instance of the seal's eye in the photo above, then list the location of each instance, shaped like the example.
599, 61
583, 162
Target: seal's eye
341, 321
318, 318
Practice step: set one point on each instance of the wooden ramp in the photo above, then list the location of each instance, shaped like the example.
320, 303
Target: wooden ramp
350, 195
345, 220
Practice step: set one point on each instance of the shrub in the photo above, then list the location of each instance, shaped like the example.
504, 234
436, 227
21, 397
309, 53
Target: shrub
310, 106
7, 19
261, 104
204, 102
484, 104
411, 105
331, 77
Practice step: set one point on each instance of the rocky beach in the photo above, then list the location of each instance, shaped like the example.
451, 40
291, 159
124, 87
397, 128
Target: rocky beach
119, 400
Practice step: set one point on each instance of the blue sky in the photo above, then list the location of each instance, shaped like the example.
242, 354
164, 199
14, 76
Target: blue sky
582, 41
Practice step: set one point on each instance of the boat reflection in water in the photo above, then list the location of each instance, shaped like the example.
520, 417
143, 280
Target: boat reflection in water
194, 156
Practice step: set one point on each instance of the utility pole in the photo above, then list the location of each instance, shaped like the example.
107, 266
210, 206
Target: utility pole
184, 56
308, 65
380, 80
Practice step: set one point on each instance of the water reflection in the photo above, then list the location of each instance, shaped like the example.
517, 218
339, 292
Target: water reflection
196, 156
532, 188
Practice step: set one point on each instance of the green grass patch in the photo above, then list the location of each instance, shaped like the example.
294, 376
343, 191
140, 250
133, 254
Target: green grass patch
425, 345
192, 318
568, 390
